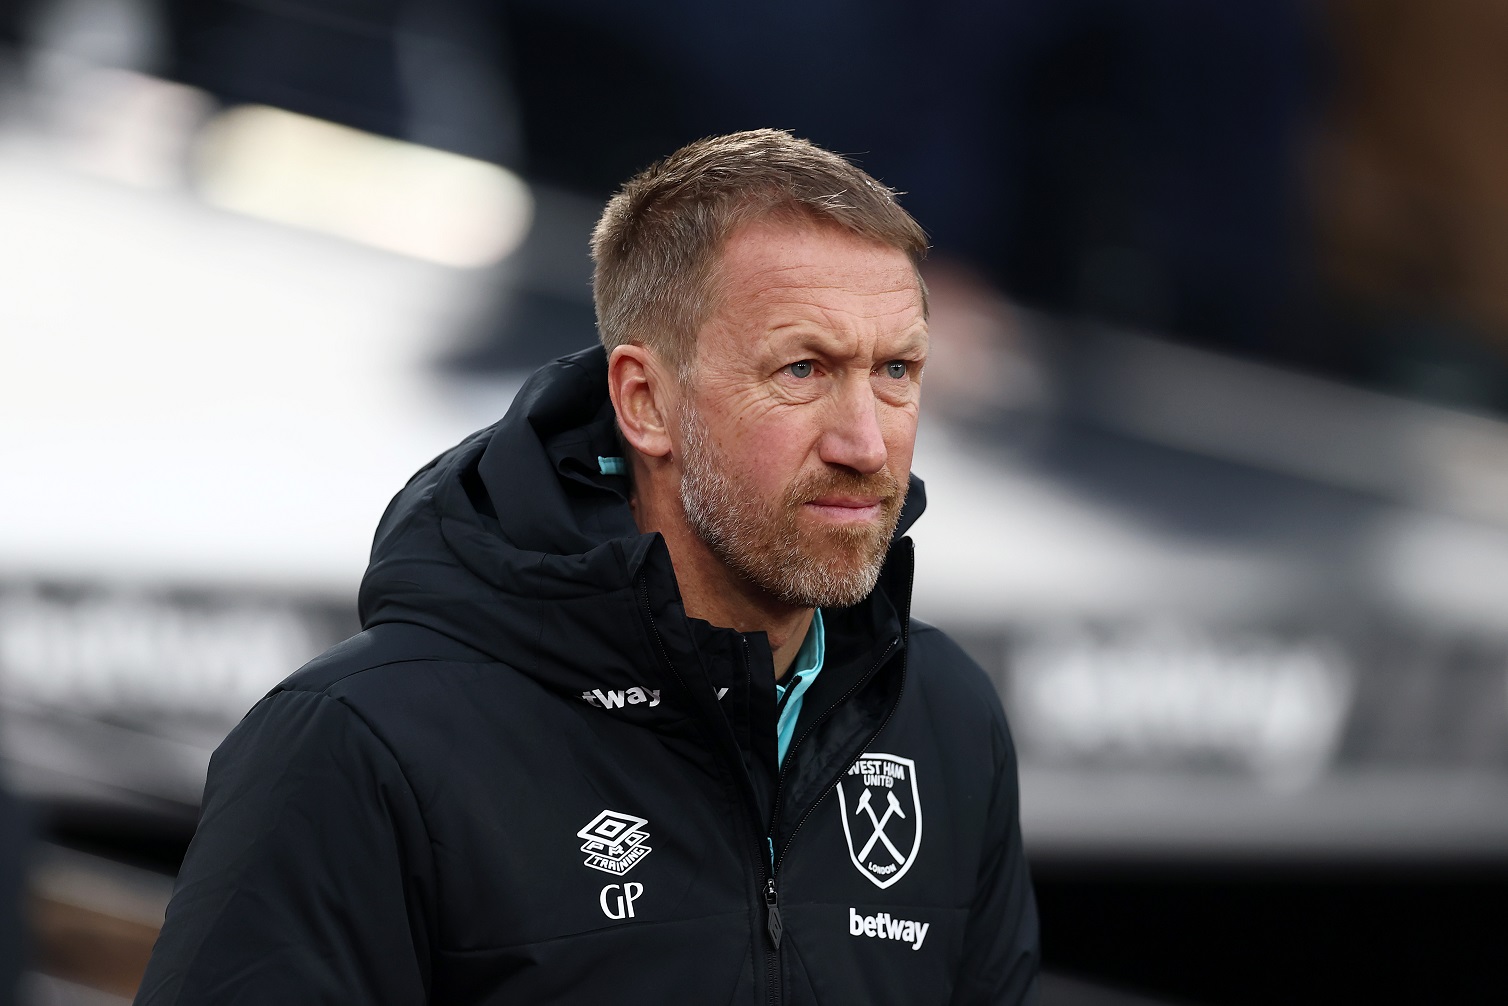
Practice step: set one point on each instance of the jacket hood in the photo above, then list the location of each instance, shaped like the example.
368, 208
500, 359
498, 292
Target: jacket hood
514, 543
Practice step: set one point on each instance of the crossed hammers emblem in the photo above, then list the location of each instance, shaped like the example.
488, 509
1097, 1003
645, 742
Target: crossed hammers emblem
879, 823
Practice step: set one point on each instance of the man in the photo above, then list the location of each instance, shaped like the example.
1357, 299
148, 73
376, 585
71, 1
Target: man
639, 713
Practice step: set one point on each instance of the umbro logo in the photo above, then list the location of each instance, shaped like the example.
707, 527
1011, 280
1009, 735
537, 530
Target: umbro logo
614, 842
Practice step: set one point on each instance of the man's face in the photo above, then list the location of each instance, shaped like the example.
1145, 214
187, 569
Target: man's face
796, 431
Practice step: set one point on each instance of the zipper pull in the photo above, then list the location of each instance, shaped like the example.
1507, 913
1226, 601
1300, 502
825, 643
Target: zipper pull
772, 904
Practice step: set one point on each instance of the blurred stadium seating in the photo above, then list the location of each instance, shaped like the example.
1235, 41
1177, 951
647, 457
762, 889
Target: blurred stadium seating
1216, 468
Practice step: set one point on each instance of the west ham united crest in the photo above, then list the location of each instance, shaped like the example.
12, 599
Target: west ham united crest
882, 816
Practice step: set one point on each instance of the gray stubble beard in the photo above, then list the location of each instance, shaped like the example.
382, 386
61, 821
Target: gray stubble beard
765, 546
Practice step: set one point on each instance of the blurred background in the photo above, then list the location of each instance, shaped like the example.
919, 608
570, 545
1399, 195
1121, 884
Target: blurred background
1216, 444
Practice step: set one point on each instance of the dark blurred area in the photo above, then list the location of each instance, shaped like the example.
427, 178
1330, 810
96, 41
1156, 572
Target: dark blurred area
1216, 447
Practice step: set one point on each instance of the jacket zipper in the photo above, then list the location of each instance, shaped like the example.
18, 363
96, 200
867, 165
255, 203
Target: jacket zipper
773, 925
764, 861
780, 783
775, 928
903, 640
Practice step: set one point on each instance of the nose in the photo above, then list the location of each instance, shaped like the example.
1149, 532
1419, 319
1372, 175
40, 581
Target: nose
853, 437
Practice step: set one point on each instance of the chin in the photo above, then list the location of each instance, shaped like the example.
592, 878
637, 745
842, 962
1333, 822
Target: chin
826, 580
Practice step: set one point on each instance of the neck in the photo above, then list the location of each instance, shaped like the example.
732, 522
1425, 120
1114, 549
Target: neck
713, 592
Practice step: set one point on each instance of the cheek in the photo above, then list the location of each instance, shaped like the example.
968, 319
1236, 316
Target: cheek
899, 431
773, 450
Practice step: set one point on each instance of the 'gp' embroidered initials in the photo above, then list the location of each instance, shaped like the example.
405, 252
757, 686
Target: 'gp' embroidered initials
622, 904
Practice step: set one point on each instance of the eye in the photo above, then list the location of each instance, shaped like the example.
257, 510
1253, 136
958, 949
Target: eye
801, 369
897, 369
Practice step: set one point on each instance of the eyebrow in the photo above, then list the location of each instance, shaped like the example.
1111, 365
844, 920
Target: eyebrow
818, 340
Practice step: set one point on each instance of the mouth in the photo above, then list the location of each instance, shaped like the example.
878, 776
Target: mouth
840, 509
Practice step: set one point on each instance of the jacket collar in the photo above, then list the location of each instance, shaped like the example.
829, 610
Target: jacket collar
516, 544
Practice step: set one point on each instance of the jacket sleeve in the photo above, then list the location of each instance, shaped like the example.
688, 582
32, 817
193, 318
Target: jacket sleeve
1002, 947
306, 880
15, 835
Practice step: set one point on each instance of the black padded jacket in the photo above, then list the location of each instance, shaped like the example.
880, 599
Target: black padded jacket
532, 778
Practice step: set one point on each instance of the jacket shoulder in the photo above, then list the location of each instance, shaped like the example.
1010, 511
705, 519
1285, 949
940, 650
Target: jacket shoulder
407, 685
947, 667
379, 646
955, 690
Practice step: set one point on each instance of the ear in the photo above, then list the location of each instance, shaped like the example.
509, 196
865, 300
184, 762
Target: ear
641, 388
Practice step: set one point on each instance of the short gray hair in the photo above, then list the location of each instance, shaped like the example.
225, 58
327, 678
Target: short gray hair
656, 245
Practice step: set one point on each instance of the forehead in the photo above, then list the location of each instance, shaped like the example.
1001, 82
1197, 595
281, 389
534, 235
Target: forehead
815, 270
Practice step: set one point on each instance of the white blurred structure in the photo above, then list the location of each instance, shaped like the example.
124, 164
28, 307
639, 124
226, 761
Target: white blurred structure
1205, 588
